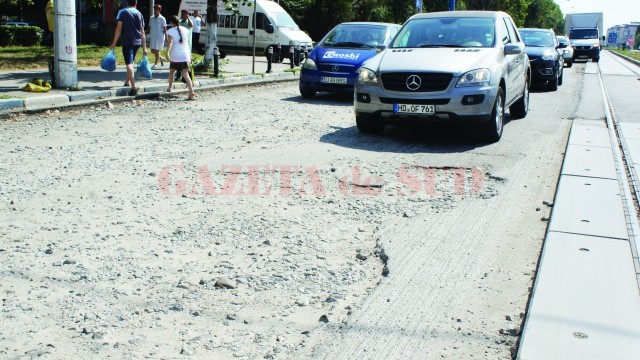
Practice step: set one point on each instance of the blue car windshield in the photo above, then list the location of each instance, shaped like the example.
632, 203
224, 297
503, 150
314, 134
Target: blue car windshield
537, 38
446, 32
355, 35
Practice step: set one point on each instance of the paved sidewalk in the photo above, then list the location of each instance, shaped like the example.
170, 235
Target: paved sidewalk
100, 85
585, 302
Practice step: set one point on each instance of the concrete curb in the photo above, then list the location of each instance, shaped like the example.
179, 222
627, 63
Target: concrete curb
84, 98
49, 101
626, 58
11, 104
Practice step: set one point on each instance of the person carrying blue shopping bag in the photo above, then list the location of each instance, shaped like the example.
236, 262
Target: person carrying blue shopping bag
144, 68
109, 61
131, 26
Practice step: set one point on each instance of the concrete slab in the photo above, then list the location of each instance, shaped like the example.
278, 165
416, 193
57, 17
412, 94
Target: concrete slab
589, 161
46, 101
629, 130
585, 302
8, 104
623, 90
591, 103
589, 133
589, 206
591, 68
633, 150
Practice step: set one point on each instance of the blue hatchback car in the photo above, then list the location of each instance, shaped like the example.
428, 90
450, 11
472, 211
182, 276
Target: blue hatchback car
334, 61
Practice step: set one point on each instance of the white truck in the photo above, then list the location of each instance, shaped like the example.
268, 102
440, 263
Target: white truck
273, 26
585, 31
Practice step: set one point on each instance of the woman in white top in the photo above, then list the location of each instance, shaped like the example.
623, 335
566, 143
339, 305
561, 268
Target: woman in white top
157, 32
178, 54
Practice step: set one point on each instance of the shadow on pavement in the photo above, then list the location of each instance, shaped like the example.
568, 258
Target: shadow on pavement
405, 139
335, 99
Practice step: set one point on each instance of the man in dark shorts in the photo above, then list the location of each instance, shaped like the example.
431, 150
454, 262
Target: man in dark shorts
131, 26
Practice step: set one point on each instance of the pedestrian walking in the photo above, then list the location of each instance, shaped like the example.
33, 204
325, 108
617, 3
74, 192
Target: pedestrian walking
131, 27
198, 22
186, 22
178, 54
158, 34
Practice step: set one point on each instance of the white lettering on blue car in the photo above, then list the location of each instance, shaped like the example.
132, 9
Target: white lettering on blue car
335, 55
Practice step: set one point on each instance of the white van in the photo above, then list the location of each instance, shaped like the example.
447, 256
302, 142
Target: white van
235, 31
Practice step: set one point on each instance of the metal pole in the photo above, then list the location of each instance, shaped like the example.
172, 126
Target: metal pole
212, 32
253, 60
66, 52
452, 5
79, 23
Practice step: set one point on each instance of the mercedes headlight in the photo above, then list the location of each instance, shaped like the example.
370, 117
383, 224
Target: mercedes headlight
477, 77
309, 64
549, 55
367, 77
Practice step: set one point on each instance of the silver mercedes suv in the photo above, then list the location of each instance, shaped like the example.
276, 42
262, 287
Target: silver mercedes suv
464, 67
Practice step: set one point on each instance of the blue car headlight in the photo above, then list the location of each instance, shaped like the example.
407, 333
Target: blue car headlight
367, 77
478, 77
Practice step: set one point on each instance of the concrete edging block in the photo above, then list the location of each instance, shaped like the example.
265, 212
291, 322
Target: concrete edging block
91, 95
8, 104
45, 101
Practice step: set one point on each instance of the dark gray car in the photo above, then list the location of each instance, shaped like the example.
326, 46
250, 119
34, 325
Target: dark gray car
463, 67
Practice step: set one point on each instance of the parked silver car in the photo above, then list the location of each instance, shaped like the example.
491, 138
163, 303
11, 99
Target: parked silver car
567, 50
463, 67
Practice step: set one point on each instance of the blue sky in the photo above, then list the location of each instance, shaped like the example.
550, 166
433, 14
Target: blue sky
616, 12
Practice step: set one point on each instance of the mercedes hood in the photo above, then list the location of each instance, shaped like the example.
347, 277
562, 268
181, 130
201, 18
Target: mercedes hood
446, 60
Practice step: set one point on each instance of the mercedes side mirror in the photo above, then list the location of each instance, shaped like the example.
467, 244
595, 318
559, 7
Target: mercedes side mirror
513, 49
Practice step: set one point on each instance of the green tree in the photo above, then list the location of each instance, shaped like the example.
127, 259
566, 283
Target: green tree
545, 14
516, 8
322, 15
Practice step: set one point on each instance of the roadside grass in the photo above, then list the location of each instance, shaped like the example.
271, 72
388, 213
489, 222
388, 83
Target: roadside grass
36, 57
632, 54
5, 97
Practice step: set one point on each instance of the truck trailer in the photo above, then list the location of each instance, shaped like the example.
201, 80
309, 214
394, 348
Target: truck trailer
585, 30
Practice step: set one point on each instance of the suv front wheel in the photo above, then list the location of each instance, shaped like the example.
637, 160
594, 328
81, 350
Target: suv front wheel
369, 124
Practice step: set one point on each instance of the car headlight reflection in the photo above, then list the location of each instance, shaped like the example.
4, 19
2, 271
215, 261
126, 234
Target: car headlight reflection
367, 77
548, 56
309, 65
477, 77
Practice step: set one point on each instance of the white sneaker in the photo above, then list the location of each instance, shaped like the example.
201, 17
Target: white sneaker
153, 66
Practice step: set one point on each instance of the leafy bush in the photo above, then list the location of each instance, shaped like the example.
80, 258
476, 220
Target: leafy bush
20, 35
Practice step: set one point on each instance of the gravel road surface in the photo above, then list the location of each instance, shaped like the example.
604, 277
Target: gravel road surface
253, 223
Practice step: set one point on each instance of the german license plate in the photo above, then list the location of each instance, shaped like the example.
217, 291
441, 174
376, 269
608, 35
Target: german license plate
414, 109
333, 80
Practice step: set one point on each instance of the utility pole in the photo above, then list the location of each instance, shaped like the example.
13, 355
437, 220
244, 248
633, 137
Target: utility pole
255, 23
212, 31
66, 49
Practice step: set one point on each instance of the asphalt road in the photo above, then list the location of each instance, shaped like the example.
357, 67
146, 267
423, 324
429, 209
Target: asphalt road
418, 243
